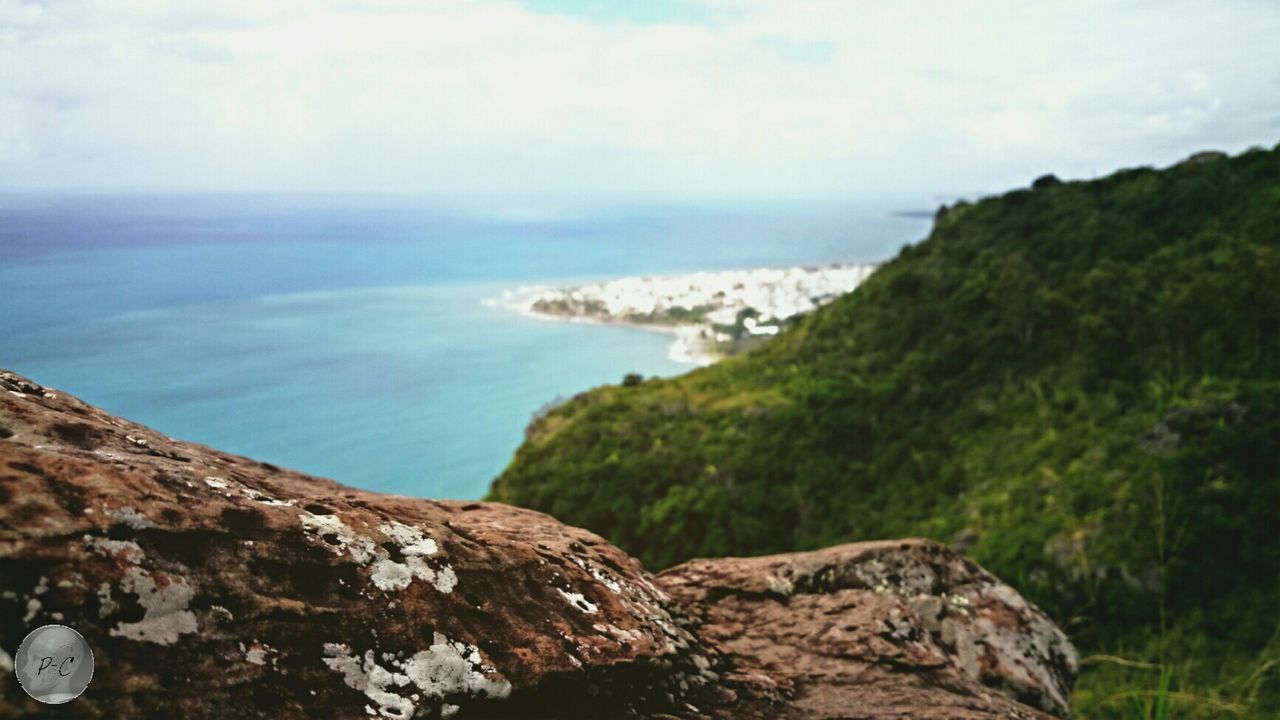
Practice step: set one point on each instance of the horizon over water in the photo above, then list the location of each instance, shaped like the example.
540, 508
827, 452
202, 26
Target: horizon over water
349, 336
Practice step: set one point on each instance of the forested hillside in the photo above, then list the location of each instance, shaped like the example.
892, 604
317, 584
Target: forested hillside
1078, 384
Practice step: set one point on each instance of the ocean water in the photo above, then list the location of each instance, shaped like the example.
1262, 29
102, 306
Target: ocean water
349, 336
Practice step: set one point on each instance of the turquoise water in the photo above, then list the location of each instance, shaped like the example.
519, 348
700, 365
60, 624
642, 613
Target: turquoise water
349, 337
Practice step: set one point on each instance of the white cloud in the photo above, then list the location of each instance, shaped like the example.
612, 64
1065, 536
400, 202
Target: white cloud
784, 98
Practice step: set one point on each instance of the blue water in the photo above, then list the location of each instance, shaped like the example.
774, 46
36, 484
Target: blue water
349, 337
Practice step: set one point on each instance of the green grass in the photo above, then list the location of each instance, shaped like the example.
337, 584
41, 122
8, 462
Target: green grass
1114, 687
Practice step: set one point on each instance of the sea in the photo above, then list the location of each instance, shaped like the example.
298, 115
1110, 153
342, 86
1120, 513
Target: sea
357, 337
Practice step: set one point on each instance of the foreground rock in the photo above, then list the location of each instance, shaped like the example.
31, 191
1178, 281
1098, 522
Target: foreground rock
878, 630
210, 585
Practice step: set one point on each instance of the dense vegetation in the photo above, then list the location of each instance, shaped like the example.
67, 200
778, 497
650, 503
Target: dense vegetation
1077, 383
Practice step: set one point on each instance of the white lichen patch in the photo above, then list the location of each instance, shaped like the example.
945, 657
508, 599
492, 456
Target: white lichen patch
601, 576
780, 585
446, 580
361, 548
126, 550
264, 499
106, 605
371, 679
164, 603
164, 606
338, 657
130, 517
448, 668
33, 607
577, 600
386, 574
257, 653
445, 668
390, 575
410, 539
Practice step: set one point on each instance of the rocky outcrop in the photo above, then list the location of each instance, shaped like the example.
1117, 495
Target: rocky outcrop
894, 629
211, 585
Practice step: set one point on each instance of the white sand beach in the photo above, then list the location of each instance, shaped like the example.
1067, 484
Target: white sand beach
706, 311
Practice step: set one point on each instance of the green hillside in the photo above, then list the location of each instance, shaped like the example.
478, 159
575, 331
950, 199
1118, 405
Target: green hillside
1077, 383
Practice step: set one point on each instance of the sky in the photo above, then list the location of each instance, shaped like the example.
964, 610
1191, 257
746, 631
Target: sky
643, 99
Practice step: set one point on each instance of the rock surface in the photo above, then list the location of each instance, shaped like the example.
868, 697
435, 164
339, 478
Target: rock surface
211, 585
890, 629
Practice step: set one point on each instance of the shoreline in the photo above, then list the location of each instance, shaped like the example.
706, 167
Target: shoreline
711, 314
688, 347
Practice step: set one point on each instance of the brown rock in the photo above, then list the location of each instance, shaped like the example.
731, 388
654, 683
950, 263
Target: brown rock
890, 629
211, 585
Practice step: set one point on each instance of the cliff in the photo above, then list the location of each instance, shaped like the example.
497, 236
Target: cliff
1076, 383
211, 585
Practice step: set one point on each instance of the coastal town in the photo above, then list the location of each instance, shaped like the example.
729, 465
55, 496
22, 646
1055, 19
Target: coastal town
712, 314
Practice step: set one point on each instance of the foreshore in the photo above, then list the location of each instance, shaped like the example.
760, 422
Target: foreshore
711, 314
688, 347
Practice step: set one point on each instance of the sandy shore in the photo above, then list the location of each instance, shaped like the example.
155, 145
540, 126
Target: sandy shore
705, 311
690, 346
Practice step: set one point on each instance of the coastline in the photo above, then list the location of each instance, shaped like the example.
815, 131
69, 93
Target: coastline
688, 347
711, 314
